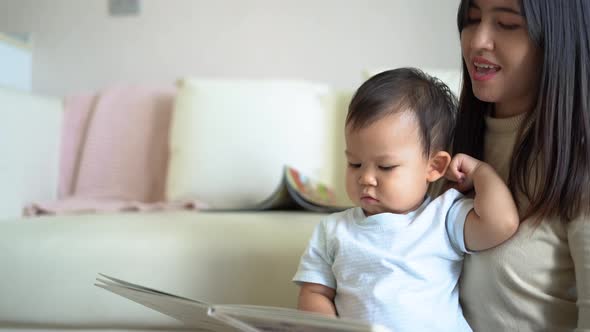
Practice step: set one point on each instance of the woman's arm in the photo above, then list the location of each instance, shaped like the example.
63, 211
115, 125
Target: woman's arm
494, 218
317, 298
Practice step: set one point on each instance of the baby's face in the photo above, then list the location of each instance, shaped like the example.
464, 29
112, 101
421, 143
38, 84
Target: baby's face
387, 169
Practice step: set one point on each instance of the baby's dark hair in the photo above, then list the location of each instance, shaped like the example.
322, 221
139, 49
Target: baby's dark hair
407, 90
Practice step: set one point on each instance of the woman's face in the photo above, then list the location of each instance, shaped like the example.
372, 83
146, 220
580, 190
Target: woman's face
503, 62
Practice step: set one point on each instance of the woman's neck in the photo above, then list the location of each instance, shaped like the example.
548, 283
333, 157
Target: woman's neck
507, 110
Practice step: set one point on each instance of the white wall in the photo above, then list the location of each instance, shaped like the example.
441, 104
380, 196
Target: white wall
15, 65
78, 46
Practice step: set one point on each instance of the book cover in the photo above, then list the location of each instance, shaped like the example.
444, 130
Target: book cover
298, 191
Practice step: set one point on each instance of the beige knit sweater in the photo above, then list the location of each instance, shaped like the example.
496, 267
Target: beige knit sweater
539, 280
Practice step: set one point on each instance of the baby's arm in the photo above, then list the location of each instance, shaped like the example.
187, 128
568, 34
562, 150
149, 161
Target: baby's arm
494, 218
317, 298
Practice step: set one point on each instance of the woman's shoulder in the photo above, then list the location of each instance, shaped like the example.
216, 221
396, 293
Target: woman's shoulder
579, 228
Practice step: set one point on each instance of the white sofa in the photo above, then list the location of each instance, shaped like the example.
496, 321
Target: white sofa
49, 264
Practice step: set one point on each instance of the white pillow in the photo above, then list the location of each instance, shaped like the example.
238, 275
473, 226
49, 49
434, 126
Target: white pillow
450, 76
230, 139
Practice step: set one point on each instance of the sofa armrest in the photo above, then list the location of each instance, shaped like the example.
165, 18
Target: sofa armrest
30, 133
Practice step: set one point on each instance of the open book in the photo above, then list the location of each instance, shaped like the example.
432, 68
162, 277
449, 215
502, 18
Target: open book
297, 191
231, 318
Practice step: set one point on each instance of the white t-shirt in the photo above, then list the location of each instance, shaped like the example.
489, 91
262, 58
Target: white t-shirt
399, 271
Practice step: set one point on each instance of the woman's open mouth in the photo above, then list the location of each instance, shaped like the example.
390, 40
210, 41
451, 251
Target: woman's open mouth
484, 69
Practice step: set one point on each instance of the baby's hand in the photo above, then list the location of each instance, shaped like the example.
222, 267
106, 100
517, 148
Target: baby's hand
461, 169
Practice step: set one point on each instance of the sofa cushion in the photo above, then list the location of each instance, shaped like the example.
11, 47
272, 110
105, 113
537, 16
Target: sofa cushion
50, 264
77, 111
30, 132
125, 151
230, 139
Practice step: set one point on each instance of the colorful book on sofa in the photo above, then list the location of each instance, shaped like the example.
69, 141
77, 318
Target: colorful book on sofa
231, 318
298, 191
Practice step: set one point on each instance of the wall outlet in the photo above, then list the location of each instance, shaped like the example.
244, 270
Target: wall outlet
124, 7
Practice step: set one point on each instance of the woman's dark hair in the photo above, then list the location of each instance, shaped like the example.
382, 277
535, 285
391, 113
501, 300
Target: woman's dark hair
560, 122
407, 90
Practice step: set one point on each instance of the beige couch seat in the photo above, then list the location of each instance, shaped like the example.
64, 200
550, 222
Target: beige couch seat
49, 264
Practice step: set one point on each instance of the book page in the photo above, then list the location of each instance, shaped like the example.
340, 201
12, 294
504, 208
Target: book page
122, 283
310, 194
192, 313
279, 199
231, 318
261, 318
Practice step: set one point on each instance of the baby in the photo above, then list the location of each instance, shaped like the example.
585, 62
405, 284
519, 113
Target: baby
395, 258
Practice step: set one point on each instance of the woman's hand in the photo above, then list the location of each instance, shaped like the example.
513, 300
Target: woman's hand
461, 171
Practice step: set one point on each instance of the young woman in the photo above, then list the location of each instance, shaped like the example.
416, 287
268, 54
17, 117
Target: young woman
525, 109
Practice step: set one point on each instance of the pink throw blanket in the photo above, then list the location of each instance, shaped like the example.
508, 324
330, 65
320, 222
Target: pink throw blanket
114, 152
80, 205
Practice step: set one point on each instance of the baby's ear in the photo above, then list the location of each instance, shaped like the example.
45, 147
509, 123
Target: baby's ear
437, 166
